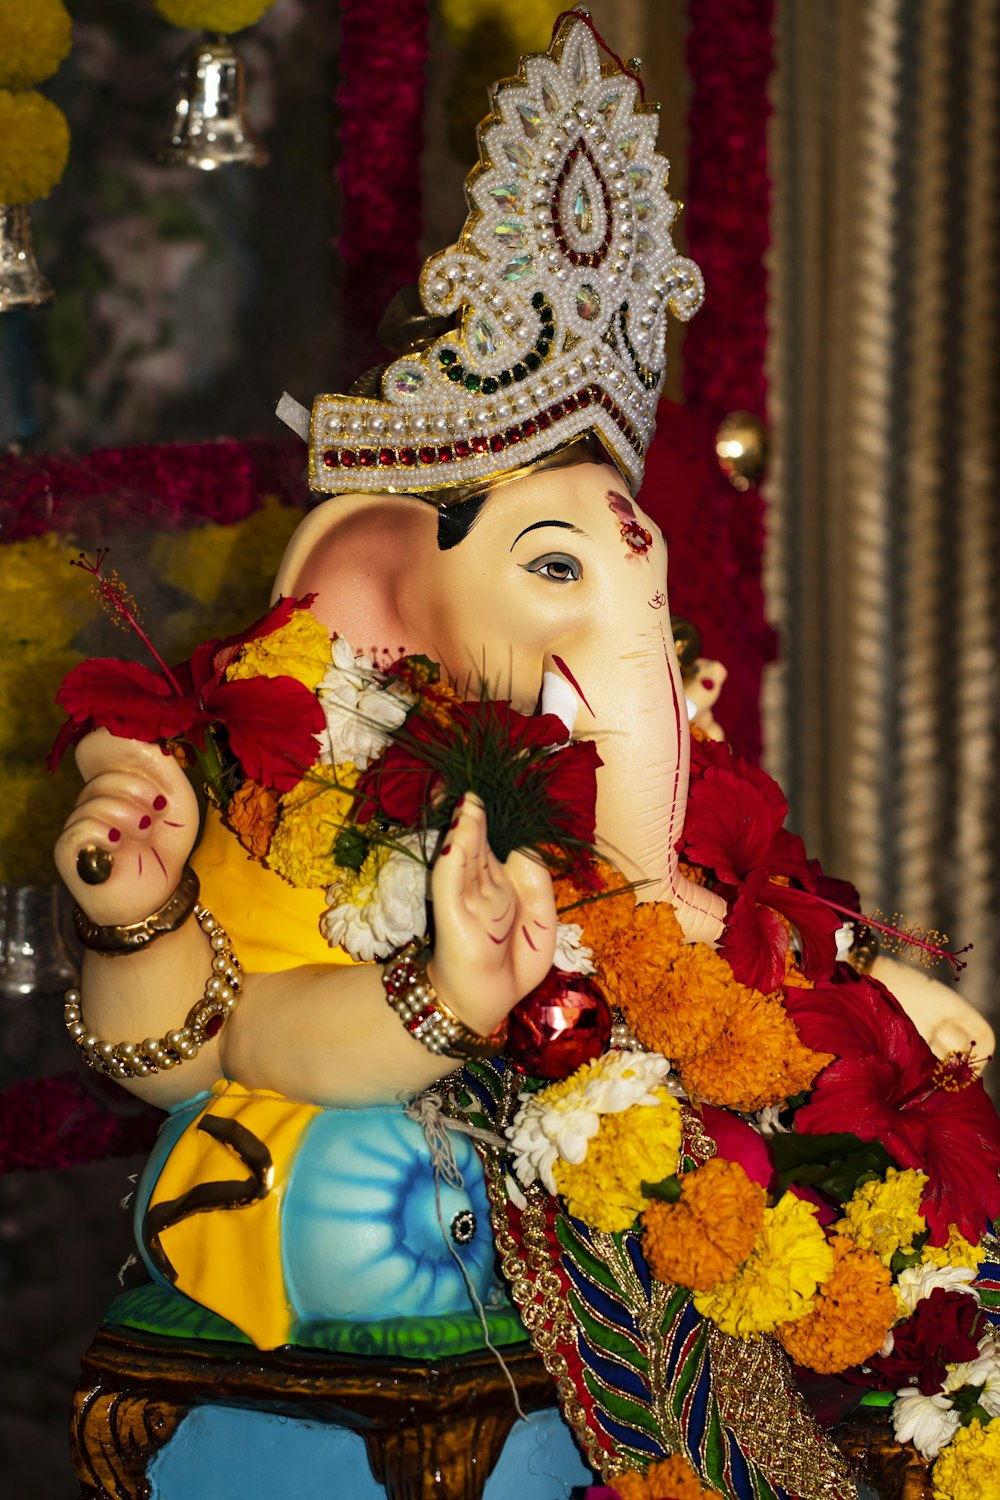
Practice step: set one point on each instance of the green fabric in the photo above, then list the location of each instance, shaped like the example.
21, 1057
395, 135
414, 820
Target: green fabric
156, 1309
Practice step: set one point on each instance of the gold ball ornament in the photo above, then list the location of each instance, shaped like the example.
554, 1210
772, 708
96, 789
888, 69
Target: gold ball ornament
226, 16
741, 448
35, 36
34, 146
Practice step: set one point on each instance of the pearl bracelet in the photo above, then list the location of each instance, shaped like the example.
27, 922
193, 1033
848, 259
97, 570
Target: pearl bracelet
412, 996
203, 1021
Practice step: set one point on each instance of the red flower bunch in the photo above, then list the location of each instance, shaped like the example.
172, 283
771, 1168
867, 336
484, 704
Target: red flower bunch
734, 826
539, 791
886, 1085
269, 723
944, 1328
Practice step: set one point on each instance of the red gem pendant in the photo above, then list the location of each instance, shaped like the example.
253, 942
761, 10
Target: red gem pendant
562, 1024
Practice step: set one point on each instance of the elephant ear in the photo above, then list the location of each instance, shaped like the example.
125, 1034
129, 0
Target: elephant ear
359, 555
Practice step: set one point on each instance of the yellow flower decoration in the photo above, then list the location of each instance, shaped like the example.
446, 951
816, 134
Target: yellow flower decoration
228, 568
300, 649
212, 15
956, 1251
34, 146
884, 1216
854, 1311
969, 1468
777, 1284
36, 37
312, 815
641, 1144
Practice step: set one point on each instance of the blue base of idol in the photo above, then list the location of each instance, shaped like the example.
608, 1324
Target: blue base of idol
232, 1454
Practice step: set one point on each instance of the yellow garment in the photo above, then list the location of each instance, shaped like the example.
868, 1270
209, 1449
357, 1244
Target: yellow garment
273, 925
228, 1258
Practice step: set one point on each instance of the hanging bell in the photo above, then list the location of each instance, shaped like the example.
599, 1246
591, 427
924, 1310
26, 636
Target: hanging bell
21, 282
210, 129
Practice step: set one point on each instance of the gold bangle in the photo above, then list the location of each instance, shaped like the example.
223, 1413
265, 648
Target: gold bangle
202, 1022
412, 996
132, 937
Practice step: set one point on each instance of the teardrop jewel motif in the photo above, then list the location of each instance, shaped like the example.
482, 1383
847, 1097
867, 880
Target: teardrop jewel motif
511, 235
549, 99
506, 196
588, 303
583, 214
638, 177
579, 67
408, 380
516, 267
530, 120
608, 107
629, 147
516, 154
482, 339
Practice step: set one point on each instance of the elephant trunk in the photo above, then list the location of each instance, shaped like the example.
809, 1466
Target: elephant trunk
632, 704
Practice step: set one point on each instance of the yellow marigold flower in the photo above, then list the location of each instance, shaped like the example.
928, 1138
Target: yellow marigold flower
300, 649
778, 1282
312, 815
641, 1144
956, 1251
227, 568
884, 1216
969, 1468
34, 146
758, 1060
673, 1479
702, 1238
36, 38
854, 1311
212, 15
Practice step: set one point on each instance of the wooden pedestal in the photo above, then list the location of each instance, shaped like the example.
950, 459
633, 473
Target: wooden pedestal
433, 1430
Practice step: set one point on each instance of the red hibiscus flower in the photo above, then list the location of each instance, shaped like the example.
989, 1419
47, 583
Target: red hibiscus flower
885, 1086
270, 722
944, 1328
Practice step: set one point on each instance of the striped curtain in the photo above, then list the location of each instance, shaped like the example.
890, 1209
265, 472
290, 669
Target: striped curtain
884, 492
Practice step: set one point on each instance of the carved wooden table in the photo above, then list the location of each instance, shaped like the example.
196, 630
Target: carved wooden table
433, 1430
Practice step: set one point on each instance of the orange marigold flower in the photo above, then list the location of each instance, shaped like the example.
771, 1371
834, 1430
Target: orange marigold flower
694, 873
602, 916
252, 814
673, 1479
759, 1059
854, 1311
635, 960
702, 1238
686, 1012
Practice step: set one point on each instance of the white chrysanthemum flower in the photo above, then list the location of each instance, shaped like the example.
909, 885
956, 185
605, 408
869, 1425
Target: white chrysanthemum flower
571, 957
928, 1422
388, 904
361, 709
983, 1371
917, 1282
561, 1120
766, 1121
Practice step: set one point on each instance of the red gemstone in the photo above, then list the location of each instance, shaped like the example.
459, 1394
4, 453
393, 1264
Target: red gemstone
480, 444
583, 397
366, 457
570, 403
513, 434
498, 442
331, 458
607, 402
348, 458
562, 1024
462, 449
386, 456
544, 420
428, 455
213, 1026
444, 455
556, 411
528, 428
408, 456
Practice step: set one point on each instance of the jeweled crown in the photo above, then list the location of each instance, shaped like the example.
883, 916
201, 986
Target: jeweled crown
558, 290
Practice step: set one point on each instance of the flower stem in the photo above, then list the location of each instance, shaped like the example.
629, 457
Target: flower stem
934, 951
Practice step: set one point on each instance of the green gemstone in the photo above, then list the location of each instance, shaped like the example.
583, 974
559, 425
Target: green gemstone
543, 346
548, 316
447, 356
489, 385
472, 382
520, 372
538, 299
505, 377
532, 361
456, 373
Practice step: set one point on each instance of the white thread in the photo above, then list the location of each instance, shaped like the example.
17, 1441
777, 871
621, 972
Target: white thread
427, 1112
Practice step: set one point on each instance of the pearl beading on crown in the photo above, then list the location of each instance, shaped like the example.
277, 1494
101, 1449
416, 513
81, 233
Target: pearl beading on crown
560, 282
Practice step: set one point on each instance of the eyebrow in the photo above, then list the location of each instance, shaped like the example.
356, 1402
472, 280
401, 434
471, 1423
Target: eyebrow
566, 526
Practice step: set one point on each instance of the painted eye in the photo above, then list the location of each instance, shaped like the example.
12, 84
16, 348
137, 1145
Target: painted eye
560, 567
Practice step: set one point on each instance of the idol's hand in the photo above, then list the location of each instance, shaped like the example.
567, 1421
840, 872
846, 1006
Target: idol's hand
495, 924
138, 811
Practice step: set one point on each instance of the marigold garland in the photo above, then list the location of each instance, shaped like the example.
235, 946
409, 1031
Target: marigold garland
956, 1251
226, 16
968, 1468
884, 1215
672, 1479
300, 649
34, 146
854, 1311
700, 1240
778, 1283
36, 39
252, 814
758, 1060
311, 817
639, 1144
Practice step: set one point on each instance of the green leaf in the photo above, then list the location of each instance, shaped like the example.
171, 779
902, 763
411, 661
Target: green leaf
835, 1164
666, 1191
350, 848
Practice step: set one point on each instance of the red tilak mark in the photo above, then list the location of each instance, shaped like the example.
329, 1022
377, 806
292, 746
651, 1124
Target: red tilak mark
446, 850
572, 681
145, 820
167, 824
501, 940
159, 861
140, 864
114, 834
527, 939
708, 683
635, 537
159, 803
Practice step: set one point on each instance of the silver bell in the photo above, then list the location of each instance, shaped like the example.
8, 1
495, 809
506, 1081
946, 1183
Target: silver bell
209, 128
21, 282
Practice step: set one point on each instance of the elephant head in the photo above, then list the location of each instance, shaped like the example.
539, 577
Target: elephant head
552, 590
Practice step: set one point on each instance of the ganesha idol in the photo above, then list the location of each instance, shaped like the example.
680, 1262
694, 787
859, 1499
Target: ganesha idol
328, 1033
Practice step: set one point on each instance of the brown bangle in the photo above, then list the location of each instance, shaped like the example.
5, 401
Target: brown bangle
132, 937
412, 996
